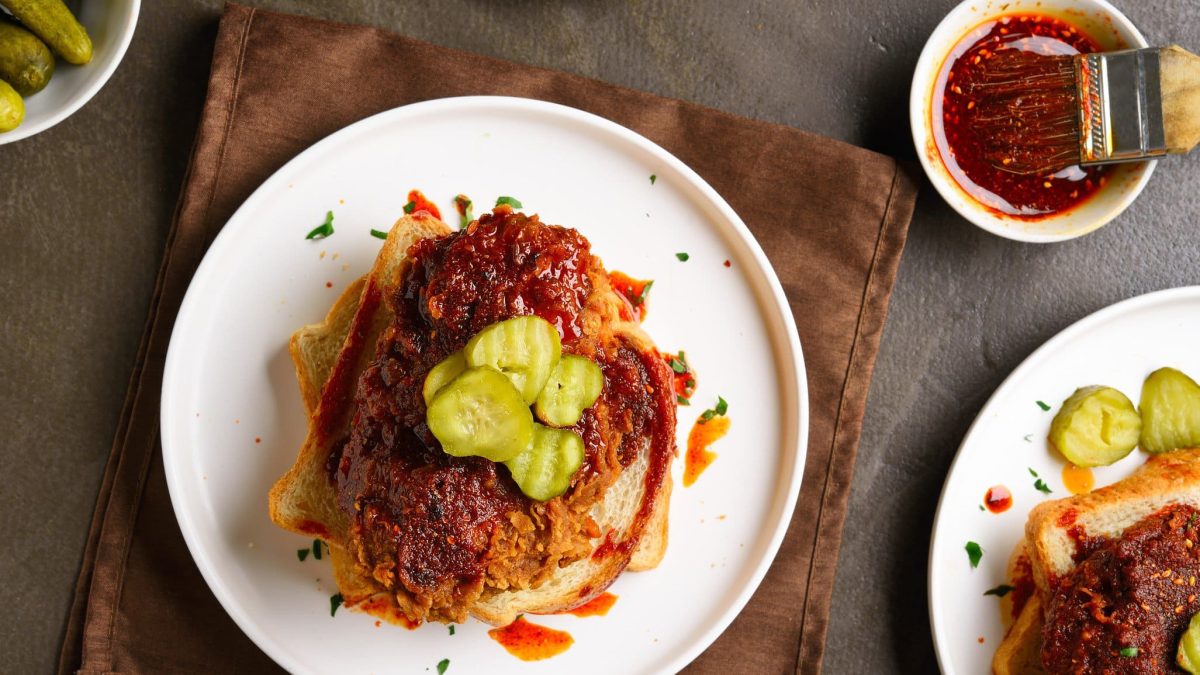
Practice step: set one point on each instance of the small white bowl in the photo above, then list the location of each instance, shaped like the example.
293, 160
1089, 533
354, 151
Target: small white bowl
1098, 19
110, 24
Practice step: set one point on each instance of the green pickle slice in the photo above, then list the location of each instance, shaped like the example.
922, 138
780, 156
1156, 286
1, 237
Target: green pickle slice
1188, 655
480, 414
1096, 426
543, 471
1170, 411
441, 375
572, 388
526, 349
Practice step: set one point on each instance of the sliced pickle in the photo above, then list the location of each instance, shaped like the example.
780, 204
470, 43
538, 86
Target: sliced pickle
1170, 411
526, 349
572, 388
449, 368
1188, 655
1096, 426
480, 414
543, 471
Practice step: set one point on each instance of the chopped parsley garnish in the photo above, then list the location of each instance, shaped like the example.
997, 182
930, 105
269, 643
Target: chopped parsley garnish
1191, 519
1043, 406
974, 553
981, 508
682, 401
324, 229
1032, 472
451, 629
335, 601
302, 554
641, 297
442, 666
1041, 486
410, 207
653, 177
378, 233
678, 363
1028, 438
463, 204
721, 409
316, 549
999, 591
511, 201
1129, 652
683, 257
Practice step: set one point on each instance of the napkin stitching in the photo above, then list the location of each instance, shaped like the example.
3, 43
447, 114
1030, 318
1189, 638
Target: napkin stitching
837, 427
140, 487
229, 115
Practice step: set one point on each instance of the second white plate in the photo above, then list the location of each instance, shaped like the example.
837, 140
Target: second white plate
1117, 346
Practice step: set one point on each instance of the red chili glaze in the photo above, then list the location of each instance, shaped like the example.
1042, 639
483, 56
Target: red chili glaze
384, 608
1085, 544
597, 606
959, 106
700, 439
434, 526
531, 642
314, 528
420, 203
684, 376
728, 264
1023, 586
998, 499
635, 292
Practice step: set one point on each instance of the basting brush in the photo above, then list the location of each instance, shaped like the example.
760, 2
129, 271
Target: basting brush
1043, 113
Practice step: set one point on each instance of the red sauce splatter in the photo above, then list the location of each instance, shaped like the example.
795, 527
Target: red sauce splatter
700, 438
684, 375
1078, 480
1023, 587
1067, 518
728, 264
597, 606
257, 439
980, 639
606, 547
420, 203
531, 642
998, 499
328, 284
378, 624
635, 291
384, 609
959, 106
314, 528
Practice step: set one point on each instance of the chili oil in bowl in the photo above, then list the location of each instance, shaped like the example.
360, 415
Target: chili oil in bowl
944, 116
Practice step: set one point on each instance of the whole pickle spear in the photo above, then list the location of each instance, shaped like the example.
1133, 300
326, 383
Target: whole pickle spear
12, 108
56, 25
25, 61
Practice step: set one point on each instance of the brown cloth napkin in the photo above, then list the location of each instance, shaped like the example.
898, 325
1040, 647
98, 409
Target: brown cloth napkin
831, 217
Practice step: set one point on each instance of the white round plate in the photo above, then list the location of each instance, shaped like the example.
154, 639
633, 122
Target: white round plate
229, 380
1117, 346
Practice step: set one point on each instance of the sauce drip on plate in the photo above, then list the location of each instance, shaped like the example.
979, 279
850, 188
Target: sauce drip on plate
597, 606
1078, 480
633, 290
418, 202
530, 641
700, 439
962, 108
998, 499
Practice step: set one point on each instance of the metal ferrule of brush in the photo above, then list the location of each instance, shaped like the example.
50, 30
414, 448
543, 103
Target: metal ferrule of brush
1120, 112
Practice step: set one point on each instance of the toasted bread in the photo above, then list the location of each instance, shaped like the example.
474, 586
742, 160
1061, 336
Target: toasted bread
1054, 527
1020, 653
329, 356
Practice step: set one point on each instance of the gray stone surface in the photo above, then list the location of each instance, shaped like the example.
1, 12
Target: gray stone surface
84, 210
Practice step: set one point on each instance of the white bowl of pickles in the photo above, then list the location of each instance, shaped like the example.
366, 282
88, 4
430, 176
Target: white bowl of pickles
55, 56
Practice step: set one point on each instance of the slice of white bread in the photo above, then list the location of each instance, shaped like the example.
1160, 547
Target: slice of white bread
329, 356
1169, 478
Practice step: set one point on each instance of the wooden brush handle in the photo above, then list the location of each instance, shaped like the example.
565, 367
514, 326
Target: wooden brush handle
1180, 78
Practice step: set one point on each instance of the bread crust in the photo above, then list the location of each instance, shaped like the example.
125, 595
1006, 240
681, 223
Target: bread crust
328, 357
1054, 526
